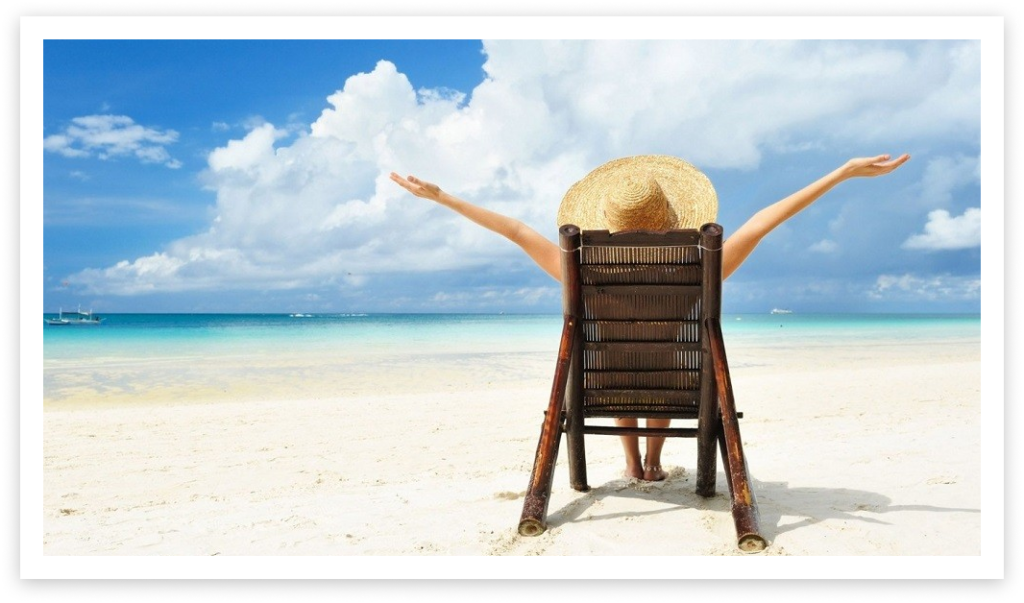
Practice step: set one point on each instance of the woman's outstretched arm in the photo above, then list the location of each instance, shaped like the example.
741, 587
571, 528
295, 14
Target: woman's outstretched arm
738, 246
543, 251
735, 250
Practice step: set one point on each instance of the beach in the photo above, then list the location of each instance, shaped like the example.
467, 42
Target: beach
866, 443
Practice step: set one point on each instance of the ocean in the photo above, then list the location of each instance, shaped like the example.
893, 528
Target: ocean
135, 335
198, 355
146, 334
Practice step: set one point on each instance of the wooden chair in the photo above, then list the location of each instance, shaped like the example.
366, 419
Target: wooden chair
642, 338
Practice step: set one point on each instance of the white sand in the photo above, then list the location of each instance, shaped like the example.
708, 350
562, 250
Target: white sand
864, 450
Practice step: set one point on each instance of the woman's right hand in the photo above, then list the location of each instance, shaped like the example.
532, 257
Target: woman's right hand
418, 187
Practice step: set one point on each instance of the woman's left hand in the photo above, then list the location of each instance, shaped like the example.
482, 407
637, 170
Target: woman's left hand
869, 167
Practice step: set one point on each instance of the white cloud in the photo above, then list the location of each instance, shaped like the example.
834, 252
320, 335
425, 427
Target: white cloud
824, 246
110, 136
946, 232
144, 275
930, 91
931, 287
495, 297
60, 143
294, 209
945, 175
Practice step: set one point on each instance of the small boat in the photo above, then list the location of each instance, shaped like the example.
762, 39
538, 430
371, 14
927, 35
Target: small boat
781, 311
74, 318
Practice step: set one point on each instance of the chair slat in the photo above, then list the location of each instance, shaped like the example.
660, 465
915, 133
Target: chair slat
613, 274
646, 394
640, 304
639, 255
639, 360
671, 432
634, 396
641, 346
641, 403
681, 380
641, 412
632, 330
683, 292
654, 240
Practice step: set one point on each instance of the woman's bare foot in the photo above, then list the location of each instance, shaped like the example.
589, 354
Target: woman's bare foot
634, 471
653, 473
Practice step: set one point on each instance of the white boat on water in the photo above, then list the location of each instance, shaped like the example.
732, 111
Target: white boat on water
75, 318
781, 311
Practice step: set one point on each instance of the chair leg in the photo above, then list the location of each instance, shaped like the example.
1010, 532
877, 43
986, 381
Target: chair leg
744, 505
720, 436
574, 431
577, 460
538, 493
535, 506
707, 458
708, 426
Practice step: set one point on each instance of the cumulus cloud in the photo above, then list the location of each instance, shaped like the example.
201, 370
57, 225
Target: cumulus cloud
824, 246
929, 91
943, 176
140, 276
111, 136
944, 231
931, 287
296, 209
491, 297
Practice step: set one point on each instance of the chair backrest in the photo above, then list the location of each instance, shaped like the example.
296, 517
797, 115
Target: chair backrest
643, 299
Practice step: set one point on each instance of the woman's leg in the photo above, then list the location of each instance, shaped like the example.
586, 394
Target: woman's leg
652, 462
631, 446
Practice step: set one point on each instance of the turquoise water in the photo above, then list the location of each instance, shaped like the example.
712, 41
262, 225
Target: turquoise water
822, 328
132, 357
148, 335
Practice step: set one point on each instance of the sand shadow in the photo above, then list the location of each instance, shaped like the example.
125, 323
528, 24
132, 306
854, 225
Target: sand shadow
678, 490
776, 500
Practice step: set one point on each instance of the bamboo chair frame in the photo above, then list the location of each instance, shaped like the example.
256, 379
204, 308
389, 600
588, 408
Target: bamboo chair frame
642, 338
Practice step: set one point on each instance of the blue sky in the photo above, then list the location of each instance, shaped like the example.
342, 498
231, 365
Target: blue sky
250, 176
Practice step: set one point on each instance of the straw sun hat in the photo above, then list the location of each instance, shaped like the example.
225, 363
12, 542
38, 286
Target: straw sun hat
644, 192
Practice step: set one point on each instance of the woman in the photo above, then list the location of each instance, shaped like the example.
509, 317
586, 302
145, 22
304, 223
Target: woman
649, 192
